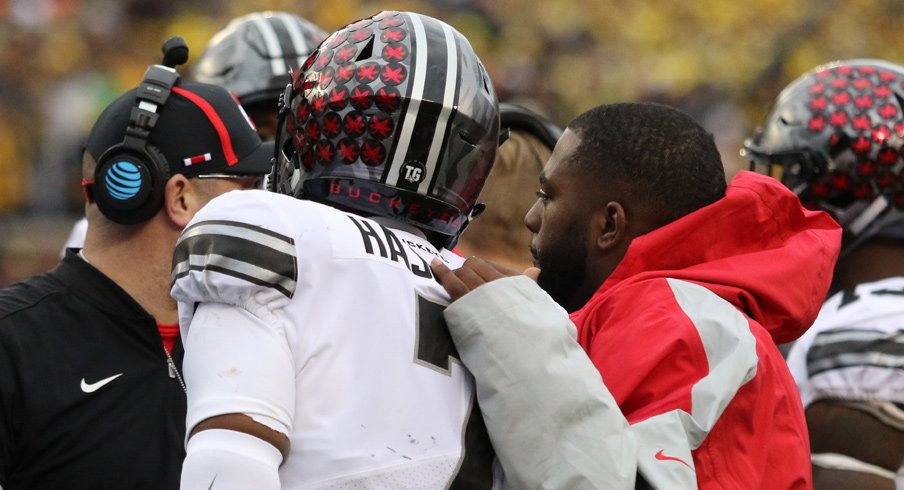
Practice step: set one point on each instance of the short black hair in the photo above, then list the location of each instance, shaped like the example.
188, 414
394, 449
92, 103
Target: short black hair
663, 159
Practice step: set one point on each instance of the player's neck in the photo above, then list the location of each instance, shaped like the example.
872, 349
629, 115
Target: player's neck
878, 258
140, 264
399, 225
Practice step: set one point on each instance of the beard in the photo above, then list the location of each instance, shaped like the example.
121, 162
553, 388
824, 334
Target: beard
563, 268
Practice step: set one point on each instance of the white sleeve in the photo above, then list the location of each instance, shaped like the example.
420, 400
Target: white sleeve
552, 421
238, 249
236, 363
229, 460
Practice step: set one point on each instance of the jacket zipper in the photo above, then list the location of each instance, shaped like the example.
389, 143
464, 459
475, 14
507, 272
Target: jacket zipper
173, 371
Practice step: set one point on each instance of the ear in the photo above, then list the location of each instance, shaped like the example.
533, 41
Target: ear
610, 226
177, 200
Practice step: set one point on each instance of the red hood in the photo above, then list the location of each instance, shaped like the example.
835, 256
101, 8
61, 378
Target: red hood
757, 248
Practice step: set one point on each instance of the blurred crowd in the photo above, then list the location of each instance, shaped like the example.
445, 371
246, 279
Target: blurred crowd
722, 62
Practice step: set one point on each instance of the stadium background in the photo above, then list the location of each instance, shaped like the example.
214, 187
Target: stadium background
723, 61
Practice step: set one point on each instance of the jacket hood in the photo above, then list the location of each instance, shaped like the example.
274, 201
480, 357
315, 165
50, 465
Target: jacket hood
757, 248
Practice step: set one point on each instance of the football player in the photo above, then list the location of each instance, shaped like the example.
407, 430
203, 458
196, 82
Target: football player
835, 136
316, 348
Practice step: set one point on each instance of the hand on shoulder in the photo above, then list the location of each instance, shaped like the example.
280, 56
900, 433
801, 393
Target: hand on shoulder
474, 273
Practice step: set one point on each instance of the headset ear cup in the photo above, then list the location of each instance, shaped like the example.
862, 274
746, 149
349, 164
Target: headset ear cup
129, 185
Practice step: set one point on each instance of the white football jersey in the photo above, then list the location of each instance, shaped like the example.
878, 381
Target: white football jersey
347, 353
855, 348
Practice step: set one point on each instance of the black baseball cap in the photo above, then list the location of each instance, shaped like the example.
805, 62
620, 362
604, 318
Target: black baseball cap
201, 129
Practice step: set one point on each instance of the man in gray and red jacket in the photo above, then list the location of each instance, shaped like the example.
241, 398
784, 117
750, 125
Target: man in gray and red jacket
679, 289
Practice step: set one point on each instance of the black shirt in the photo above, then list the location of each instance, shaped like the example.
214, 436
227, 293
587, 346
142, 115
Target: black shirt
87, 396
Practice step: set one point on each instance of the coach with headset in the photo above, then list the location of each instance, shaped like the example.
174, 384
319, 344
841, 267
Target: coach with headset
91, 393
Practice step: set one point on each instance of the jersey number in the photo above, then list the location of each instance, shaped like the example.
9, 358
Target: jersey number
435, 348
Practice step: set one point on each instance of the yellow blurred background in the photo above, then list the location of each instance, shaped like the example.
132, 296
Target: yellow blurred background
722, 61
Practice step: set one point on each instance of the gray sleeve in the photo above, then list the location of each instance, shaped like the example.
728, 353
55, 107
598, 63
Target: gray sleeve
552, 421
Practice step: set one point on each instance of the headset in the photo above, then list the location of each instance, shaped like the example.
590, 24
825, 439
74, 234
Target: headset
516, 117
130, 177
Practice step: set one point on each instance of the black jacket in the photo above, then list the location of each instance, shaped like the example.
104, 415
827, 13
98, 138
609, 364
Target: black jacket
87, 396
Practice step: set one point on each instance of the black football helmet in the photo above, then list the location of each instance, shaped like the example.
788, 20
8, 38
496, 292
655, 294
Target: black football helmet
393, 115
253, 55
834, 136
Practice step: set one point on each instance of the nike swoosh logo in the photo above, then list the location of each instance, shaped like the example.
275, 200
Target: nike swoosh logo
92, 387
663, 457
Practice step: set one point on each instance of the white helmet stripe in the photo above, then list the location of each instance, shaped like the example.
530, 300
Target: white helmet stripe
274, 50
446, 112
417, 92
299, 43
